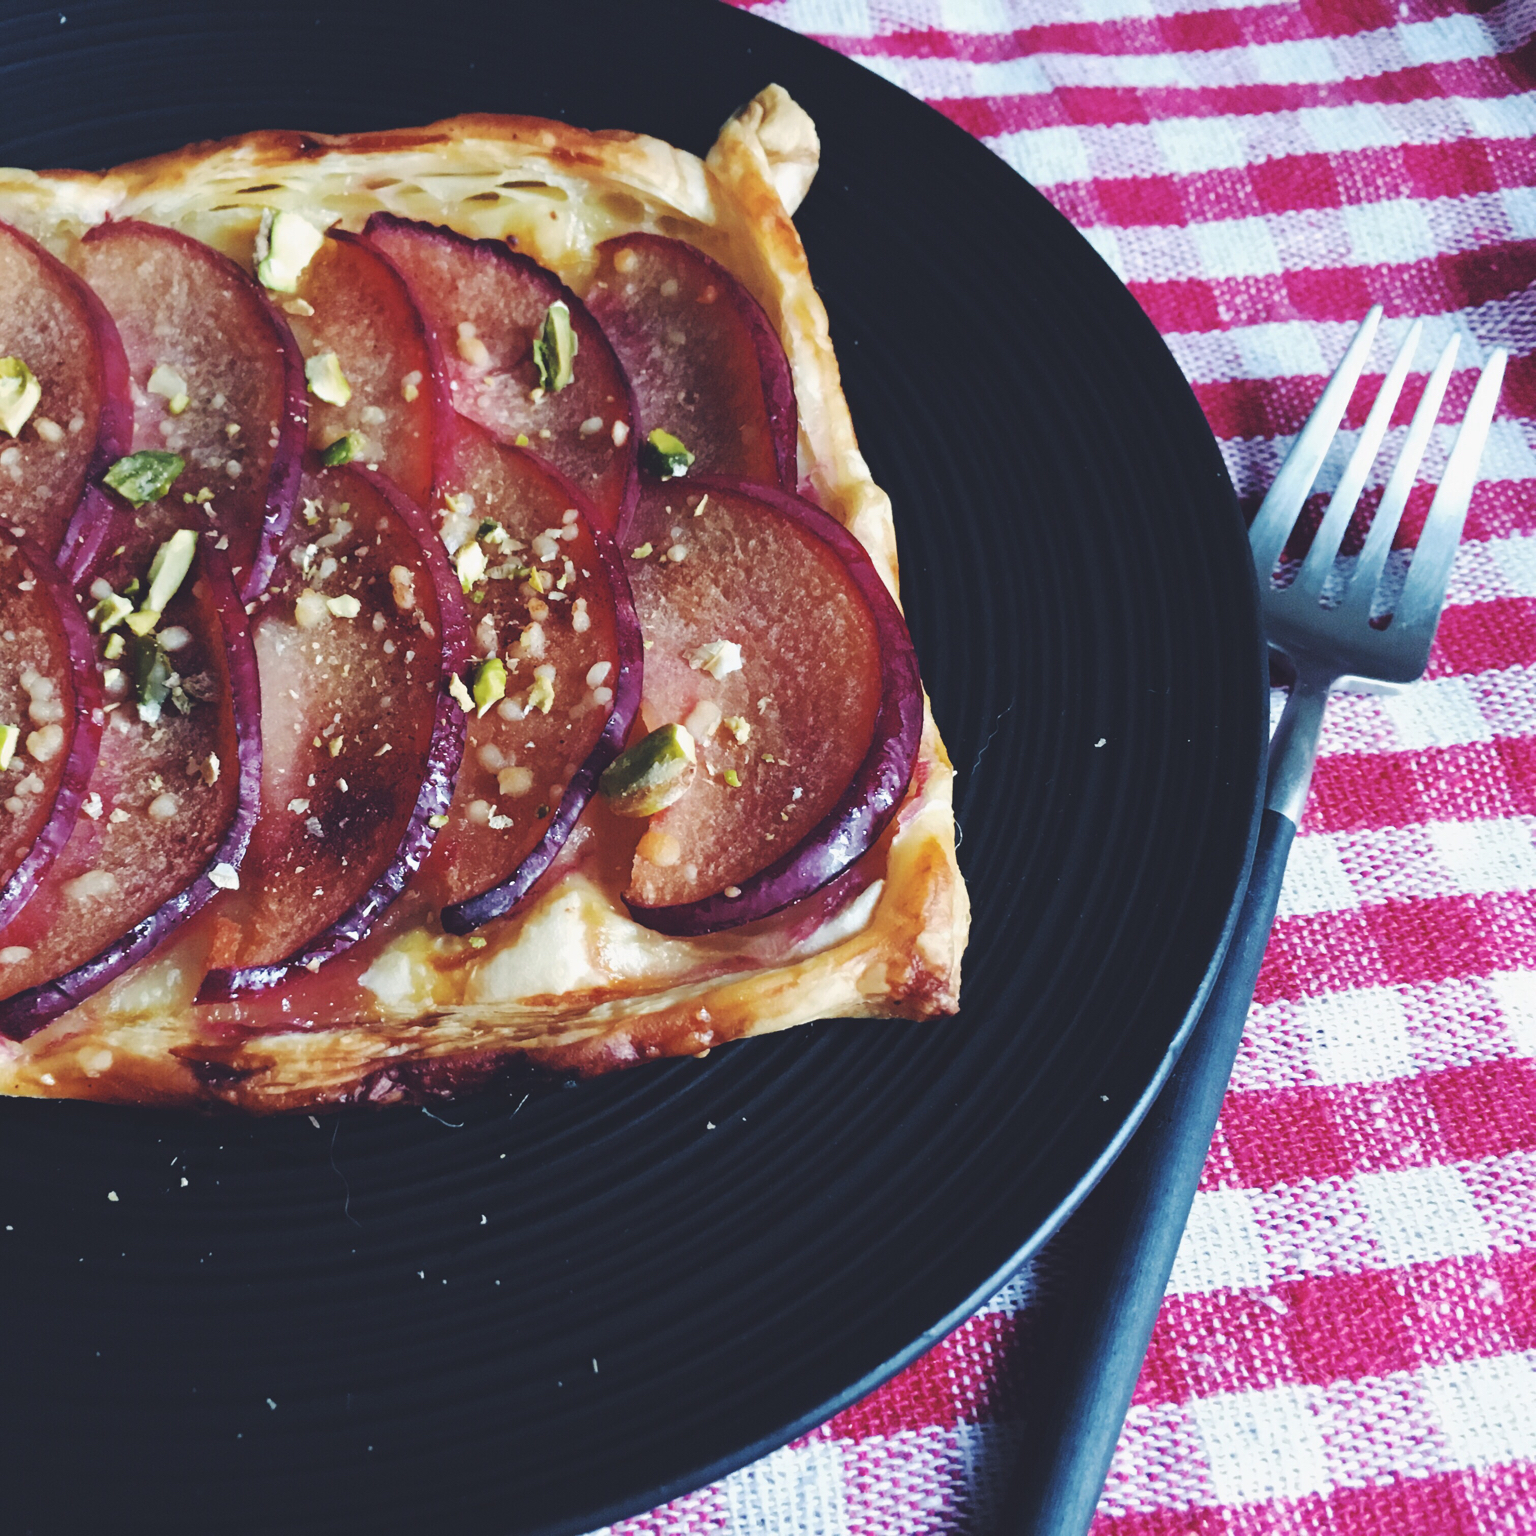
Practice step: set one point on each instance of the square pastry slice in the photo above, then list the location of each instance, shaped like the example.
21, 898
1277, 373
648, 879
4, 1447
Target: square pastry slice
449, 627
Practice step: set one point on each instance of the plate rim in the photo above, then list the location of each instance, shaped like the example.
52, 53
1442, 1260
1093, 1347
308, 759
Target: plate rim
715, 1468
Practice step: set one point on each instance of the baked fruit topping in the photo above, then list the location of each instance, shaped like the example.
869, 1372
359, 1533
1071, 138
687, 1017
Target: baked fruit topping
168, 811
542, 721
217, 381
356, 640
555, 677
65, 412
773, 641
523, 357
50, 719
351, 306
707, 367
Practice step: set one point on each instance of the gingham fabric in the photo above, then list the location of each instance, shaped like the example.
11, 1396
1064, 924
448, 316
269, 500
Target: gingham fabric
1349, 1340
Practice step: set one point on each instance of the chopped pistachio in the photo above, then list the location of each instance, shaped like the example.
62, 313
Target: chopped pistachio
168, 570
732, 778
348, 447
153, 678
9, 736
326, 380
664, 456
143, 622
554, 351
738, 728
479, 940
717, 657
521, 440
179, 403
470, 563
652, 774
169, 385
114, 647
145, 476
642, 551
490, 683
19, 394
109, 612
542, 694
437, 823
285, 245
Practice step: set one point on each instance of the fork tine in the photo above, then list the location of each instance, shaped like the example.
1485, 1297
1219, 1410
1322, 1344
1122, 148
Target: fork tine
1311, 578
1282, 506
1424, 591
1378, 542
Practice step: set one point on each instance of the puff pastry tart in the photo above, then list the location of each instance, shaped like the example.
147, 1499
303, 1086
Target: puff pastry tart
448, 626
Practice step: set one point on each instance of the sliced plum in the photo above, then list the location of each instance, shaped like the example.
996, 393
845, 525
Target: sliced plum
217, 379
82, 418
170, 803
705, 362
50, 718
350, 302
356, 637
495, 313
556, 666
772, 639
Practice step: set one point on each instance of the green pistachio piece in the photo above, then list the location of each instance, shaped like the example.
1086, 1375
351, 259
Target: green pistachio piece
490, 683
652, 774
344, 450
554, 350
168, 570
10, 735
664, 456
113, 648
145, 476
326, 380
470, 564
153, 677
109, 612
285, 245
19, 394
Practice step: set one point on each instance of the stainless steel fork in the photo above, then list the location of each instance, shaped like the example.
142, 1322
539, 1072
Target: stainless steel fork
1330, 644
1124, 1237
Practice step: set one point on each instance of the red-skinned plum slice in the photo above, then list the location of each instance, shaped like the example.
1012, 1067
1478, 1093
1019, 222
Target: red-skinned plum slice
50, 696
217, 378
171, 800
486, 305
773, 639
352, 302
356, 637
572, 659
704, 361
84, 420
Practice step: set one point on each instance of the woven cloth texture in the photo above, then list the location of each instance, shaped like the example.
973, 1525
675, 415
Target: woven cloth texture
1348, 1344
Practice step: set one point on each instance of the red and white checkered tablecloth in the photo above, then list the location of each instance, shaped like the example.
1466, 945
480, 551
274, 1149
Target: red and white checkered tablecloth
1349, 1341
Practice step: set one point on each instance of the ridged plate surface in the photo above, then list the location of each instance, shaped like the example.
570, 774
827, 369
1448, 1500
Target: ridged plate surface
534, 1316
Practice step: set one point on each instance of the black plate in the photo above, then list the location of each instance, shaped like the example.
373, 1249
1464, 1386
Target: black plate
541, 1318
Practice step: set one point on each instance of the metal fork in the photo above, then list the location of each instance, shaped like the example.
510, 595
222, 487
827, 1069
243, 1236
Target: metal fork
1123, 1239
1329, 645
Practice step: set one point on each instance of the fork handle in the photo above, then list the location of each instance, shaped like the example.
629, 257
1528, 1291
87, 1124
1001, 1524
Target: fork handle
1123, 1238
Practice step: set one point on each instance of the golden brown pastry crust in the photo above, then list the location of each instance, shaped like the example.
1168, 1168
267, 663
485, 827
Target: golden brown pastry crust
447, 1016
